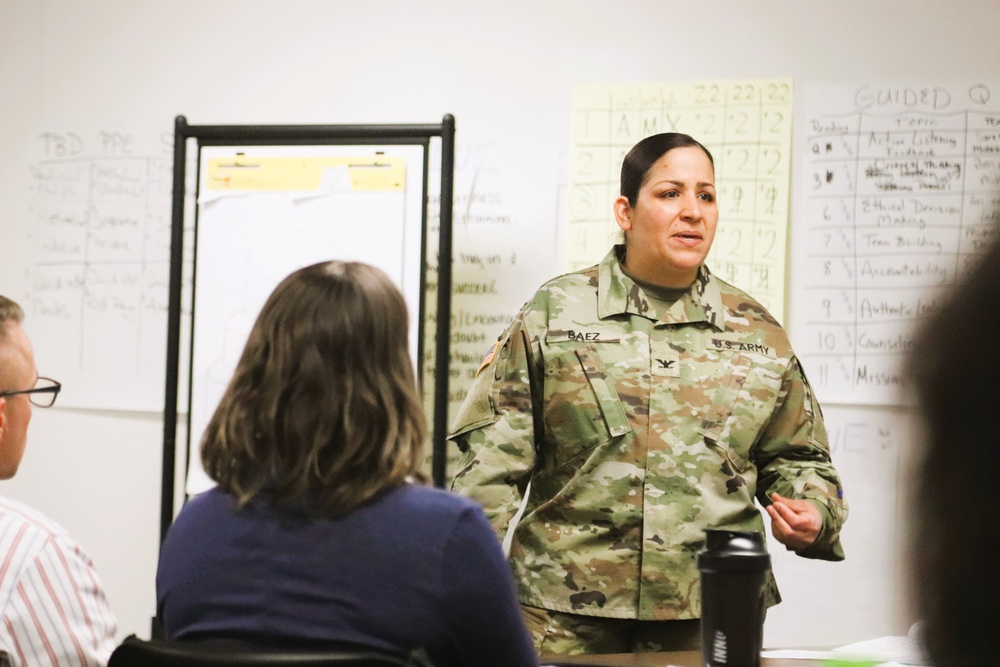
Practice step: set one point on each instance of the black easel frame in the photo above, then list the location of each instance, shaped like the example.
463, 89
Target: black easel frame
240, 135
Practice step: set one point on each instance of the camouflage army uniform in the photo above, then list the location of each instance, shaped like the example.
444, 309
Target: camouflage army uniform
657, 425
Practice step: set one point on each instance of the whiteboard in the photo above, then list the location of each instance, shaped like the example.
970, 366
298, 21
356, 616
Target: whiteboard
898, 194
99, 264
513, 149
265, 211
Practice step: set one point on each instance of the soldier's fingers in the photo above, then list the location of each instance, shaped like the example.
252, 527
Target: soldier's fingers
793, 530
808, 519
781, 530
797, 505
779, 526
786, 512
803, 527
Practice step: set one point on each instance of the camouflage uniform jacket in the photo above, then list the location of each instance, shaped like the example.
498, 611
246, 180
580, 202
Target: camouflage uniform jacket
657, 425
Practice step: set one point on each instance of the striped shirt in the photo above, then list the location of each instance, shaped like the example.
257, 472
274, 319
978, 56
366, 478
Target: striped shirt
53, 611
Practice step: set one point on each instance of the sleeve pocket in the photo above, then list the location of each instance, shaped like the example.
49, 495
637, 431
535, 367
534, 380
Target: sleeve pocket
481, 405
476, 411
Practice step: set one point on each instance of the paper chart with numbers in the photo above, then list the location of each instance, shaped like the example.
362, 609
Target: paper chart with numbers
900, 193
96, 305
747, 126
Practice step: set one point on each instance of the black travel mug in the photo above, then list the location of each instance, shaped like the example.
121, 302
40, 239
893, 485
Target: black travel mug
734, 567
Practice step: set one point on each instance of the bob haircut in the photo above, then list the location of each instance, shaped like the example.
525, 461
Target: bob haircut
322, 412
642, 156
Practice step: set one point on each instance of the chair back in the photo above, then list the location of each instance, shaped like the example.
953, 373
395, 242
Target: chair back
160, 653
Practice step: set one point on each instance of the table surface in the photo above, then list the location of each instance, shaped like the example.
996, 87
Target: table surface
670, 658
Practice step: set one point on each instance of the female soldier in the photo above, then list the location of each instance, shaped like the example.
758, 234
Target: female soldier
633, 404
315, 535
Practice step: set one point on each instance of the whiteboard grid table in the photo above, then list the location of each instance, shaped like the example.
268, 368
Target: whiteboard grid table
901, 195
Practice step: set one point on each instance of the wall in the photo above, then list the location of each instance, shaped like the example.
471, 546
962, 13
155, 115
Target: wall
506, 72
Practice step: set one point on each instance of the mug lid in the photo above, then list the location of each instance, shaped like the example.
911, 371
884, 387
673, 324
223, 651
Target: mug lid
734, 551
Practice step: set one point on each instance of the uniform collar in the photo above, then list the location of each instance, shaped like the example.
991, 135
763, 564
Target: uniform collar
620, 295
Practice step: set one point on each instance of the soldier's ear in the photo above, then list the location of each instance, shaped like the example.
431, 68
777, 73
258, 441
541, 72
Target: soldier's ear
623, 213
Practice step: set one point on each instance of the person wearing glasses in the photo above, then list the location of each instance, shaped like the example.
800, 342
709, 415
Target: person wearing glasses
319, 533
53, 610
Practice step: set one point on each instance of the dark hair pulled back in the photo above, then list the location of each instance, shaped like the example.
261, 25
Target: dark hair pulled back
639, 160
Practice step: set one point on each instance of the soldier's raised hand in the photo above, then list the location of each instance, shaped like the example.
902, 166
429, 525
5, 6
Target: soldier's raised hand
794, 523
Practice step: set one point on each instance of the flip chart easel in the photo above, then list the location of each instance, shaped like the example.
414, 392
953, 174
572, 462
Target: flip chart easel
342, 154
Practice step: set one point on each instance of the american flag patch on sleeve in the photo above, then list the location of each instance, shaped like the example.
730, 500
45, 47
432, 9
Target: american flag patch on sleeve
490, 353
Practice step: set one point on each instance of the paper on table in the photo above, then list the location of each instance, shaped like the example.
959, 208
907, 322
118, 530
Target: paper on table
849, 658
796, 654
902, 649
585, 664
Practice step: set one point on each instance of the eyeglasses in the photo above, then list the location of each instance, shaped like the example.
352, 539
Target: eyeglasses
43, 395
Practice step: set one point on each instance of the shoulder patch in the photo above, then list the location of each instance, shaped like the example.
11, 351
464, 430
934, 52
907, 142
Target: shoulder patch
490, 353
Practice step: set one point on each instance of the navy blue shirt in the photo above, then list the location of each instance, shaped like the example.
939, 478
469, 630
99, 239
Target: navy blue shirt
416, 567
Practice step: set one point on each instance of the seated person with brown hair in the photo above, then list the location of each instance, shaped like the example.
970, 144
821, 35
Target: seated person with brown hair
316, 533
